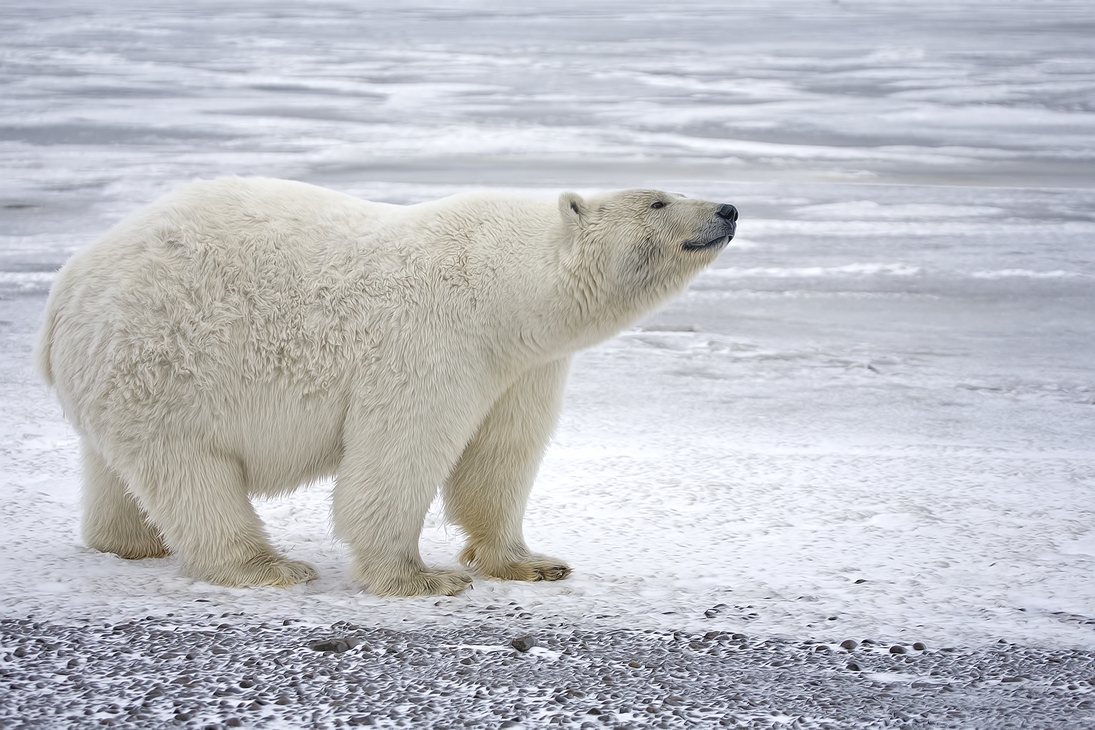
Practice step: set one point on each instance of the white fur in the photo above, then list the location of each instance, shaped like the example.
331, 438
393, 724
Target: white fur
247, 336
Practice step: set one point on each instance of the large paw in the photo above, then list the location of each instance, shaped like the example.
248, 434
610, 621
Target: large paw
261, 570
531, 567
131, 547
132, 541
424, 582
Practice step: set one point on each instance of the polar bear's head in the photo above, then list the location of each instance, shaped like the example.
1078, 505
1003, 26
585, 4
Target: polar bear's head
636, 247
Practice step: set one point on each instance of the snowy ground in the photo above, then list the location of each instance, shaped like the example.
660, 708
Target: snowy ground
873, 418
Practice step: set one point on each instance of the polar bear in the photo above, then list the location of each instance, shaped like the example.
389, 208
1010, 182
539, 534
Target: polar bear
245, 336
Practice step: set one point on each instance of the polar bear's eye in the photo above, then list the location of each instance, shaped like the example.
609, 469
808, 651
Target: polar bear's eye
657, 204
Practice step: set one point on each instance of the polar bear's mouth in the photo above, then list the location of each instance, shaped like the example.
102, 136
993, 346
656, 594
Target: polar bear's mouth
702, 246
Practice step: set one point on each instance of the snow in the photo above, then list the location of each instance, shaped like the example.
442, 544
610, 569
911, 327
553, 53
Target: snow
873, 417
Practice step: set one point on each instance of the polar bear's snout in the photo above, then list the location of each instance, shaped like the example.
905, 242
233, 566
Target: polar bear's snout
717, 232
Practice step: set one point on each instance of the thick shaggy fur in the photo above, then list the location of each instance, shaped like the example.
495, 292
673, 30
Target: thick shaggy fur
246, 336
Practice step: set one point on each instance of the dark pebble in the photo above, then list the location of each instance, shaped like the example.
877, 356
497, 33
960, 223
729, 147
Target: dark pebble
335, 645
919, 646
523, 643
897, 649
849, 644
853, 666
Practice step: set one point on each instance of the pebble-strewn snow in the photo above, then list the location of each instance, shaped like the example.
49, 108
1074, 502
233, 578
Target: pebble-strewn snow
874, 417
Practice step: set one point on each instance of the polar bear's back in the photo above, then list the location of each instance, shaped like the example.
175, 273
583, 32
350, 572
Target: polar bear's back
220, 286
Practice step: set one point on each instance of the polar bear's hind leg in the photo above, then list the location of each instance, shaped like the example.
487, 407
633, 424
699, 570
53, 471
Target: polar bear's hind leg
200, 502
113, 521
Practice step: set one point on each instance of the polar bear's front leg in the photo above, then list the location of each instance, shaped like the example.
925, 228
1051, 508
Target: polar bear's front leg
392, 463
487, 491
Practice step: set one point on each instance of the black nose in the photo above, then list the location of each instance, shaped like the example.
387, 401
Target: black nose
727, 212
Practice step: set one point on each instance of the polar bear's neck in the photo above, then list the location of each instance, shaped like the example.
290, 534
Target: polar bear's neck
566, 300
524, 283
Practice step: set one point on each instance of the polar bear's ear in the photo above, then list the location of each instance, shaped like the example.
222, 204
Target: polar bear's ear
573, 208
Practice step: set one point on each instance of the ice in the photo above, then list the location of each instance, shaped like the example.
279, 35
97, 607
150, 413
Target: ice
873, 417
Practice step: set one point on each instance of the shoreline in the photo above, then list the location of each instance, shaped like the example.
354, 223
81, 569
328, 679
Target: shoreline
236, 671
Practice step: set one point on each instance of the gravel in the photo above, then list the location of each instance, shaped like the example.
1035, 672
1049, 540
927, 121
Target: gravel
237, 671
